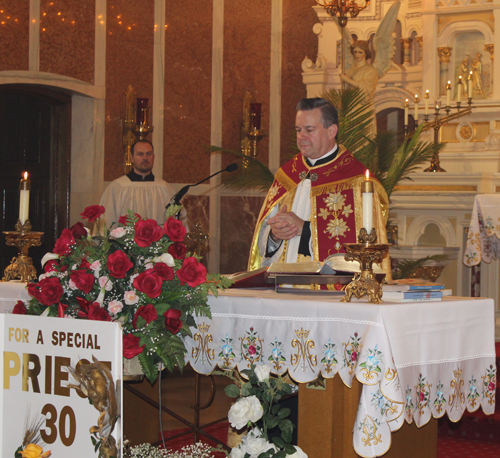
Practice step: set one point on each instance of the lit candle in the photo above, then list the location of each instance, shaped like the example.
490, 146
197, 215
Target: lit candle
416, 107
459, 89
406, 112
24, 198
367, 194
469, 86
426, 101
448, 94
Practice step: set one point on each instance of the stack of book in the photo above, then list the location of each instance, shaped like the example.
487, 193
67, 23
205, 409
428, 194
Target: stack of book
412, 290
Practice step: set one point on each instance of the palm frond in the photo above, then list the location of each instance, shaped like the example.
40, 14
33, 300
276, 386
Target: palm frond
408, 267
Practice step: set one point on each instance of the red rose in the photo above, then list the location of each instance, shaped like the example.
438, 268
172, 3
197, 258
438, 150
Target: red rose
166, 273
93, 212
47, 291
251, 350
85, 264
84, 307
177, 250
98, 313
148, 312
123, 219
354, 356
491, 386
119, 264
64, 243
51, 266
82, 280
19, 308
174, 229
172, 320
421, 396
131, 346
192, 272
79, 231
147, 232
148, 282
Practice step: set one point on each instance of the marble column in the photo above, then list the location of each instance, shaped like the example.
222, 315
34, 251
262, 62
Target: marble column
444, 54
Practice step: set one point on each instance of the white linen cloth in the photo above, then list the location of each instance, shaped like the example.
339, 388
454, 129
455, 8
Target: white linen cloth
484, 230
10, 293
415, 360
147, 198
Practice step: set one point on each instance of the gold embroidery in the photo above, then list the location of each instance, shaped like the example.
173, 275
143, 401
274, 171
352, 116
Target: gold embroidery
204, 340
370, 430
457, 398
303, 354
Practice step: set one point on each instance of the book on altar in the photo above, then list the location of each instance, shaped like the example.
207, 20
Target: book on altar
412, 284
412, 296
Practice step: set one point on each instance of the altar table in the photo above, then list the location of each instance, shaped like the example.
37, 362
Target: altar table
10, 293
414, 361
484, 230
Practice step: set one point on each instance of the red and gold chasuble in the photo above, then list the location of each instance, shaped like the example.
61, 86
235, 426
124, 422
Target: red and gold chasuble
336, 206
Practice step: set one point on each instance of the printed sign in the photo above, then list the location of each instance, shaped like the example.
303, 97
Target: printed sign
50, 365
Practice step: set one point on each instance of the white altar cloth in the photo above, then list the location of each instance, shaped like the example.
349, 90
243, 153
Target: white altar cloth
415, 360
484, 230
10, 293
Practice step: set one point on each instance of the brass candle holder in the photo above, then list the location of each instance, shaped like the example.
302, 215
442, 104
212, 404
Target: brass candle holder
21, 267
366, 252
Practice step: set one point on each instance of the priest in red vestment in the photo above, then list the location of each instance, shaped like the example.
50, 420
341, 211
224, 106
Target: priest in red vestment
314, 205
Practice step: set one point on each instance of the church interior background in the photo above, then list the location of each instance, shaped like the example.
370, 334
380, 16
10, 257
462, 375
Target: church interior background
195, 61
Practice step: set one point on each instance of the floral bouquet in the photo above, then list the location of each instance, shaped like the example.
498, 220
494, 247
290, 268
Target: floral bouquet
138, 274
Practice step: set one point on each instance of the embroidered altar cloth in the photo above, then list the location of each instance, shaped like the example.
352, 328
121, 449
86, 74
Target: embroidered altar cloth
415, 360
484, 230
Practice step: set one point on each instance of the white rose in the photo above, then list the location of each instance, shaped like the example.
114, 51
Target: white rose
238, 452
130, 297
257, 445
298, 454
167, 258
115, 307
49, 257
118, 232
262, 372
245, 410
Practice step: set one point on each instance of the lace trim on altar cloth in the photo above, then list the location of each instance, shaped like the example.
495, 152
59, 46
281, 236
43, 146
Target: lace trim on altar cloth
441, 361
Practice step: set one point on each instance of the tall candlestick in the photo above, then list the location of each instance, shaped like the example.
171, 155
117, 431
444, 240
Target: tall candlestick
367, 195
416, 108
24, 198
406, 112
426, 102
469, 86
448, 94
459, 89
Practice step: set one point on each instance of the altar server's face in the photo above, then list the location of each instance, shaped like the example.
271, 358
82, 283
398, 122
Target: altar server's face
143, 158
314, 140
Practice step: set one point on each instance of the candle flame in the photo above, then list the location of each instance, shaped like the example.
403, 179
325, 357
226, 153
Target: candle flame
25, 175
367, 174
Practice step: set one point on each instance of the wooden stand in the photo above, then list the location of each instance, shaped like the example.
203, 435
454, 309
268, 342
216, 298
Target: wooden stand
326, 420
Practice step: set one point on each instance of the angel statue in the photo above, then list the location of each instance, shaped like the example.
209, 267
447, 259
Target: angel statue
361, 74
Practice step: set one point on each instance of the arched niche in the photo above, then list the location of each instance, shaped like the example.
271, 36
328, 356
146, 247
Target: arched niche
417, 234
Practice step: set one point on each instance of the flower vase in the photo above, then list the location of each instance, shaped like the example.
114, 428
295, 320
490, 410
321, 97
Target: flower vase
132, 370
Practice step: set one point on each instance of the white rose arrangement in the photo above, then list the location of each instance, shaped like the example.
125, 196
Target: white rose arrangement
257, 402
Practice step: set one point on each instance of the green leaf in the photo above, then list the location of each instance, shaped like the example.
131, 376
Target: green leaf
271, 421
283, 413
278, 442
290, 449
232, 391
246, 389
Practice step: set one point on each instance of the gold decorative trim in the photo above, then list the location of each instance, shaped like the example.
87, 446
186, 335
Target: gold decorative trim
436, 188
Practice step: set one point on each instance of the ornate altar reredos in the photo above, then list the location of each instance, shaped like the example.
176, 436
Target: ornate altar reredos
436, 41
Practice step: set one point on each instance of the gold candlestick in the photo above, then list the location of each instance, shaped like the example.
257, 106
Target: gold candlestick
22, 266
366, 253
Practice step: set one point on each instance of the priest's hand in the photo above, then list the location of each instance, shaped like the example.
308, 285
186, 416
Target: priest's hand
285, 225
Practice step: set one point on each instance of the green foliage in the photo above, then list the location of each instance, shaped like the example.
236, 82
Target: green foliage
407, 268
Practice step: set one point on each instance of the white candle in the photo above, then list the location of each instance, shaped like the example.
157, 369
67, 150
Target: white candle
406, 112
448, 94
367, 195
24, 198
459, 89
469, 86
416, 108
426, 102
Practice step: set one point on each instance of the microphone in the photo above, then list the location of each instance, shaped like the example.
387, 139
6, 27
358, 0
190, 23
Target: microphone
177, 198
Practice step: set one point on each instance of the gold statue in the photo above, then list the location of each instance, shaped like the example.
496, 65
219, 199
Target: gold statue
477, 75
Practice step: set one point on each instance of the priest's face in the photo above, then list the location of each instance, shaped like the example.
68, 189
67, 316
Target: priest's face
314, 140
143, 158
